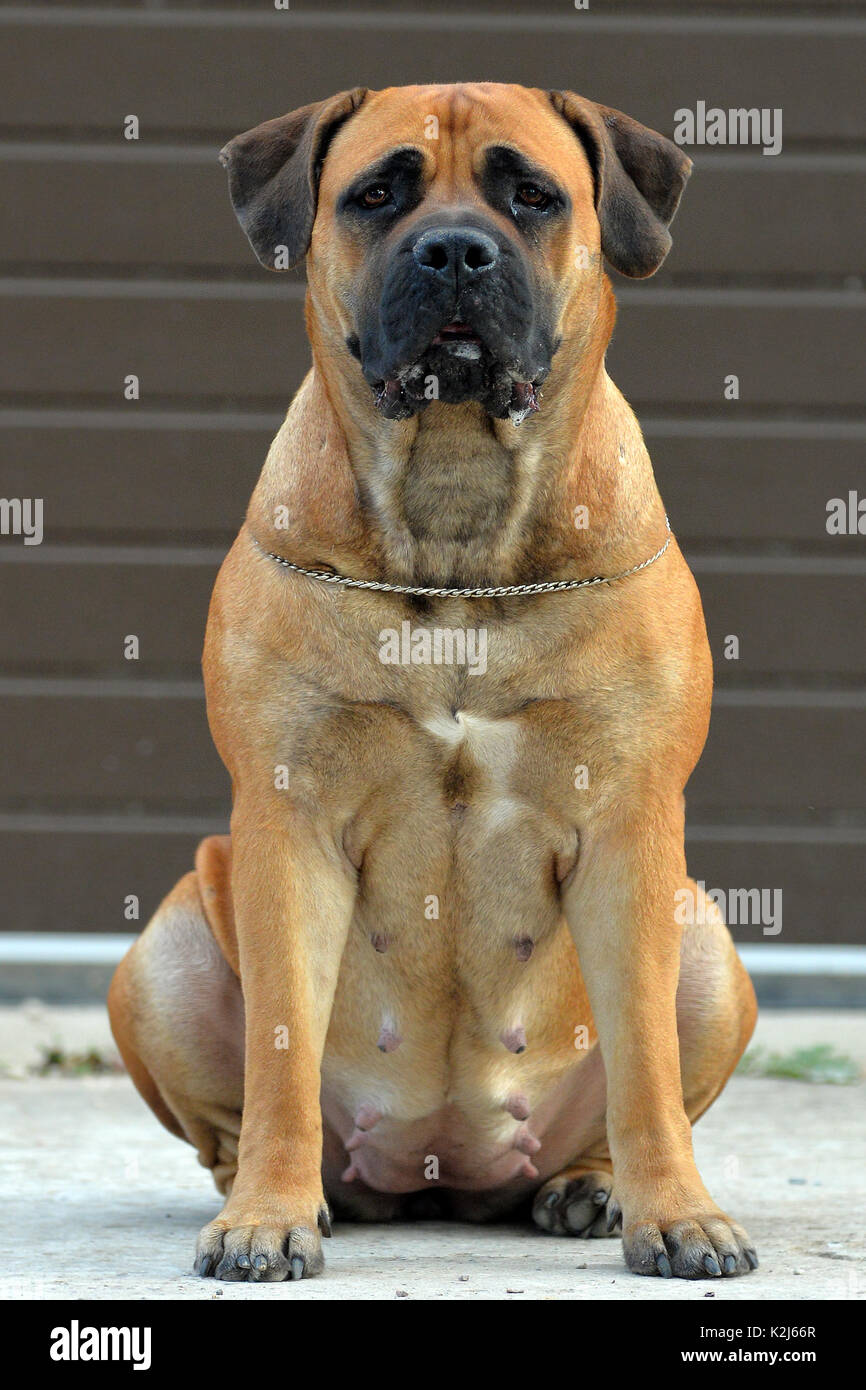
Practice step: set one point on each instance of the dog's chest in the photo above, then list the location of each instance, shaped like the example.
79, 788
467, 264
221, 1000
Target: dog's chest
476, 788
478, 757
468, 823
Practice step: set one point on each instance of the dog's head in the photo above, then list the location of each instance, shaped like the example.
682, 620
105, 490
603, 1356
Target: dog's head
454, 233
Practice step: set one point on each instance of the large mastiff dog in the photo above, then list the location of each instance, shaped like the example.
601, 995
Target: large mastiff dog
449, 961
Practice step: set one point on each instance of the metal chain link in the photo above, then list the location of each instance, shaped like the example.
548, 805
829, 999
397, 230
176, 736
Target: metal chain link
553, 586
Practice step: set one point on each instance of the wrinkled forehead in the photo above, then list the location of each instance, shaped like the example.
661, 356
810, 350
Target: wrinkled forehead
453, 126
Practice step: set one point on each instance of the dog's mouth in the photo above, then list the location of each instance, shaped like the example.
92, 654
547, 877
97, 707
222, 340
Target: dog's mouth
458, 365
455, 332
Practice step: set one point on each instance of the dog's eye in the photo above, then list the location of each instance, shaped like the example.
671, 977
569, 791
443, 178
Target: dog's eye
532, 196
376, 195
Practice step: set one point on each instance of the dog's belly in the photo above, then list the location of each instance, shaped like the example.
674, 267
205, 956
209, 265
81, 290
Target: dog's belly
510, 1133
461, 1029
478, 1148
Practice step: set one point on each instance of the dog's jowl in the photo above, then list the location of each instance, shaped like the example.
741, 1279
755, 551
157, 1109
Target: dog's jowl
389, 992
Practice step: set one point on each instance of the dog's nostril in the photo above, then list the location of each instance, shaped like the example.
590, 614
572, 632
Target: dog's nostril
479, 255
433, 254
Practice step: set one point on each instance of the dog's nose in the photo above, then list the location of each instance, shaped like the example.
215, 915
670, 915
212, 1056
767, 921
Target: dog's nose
455, 253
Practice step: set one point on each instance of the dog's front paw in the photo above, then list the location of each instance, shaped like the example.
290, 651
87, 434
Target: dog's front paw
261, 1251
704, 1247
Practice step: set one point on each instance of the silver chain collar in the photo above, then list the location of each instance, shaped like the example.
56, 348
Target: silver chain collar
552, 586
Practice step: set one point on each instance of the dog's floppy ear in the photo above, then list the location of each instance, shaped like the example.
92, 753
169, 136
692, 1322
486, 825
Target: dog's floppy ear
274, 176
639, 179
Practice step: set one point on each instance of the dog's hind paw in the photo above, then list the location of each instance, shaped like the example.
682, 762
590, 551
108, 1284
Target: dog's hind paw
578, 1203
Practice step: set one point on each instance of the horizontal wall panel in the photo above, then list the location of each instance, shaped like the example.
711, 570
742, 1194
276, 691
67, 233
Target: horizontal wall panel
795, 216
74, 618
64, 878
90, 752
679, 348
112, 481
192, 342
783, 755
822, 881
781, 623
190, 476
754, 216
733, 485
76, 881
233, 342
189, 72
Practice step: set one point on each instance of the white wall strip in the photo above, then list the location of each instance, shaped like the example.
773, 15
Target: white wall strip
62, 948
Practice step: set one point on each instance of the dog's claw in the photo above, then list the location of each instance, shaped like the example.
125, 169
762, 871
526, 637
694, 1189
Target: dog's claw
324, 1222
297, 1266
730, 1264
551, 1200
203, 1267
751, 1259
711, 1265
663, 1266
613, 1214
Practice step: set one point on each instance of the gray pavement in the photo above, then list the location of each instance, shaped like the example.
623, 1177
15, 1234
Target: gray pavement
107, 1205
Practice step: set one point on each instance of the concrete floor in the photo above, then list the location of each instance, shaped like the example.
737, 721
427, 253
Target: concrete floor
107, 1204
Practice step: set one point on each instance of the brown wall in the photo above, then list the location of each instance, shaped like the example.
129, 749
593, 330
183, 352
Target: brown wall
122, 257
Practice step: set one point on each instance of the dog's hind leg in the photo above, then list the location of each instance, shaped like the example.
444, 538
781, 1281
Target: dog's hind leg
177, 1015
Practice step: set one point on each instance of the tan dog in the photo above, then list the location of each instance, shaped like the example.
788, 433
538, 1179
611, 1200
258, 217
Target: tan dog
456, 864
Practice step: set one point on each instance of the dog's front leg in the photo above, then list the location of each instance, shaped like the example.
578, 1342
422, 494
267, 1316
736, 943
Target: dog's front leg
293, 899
620, 908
